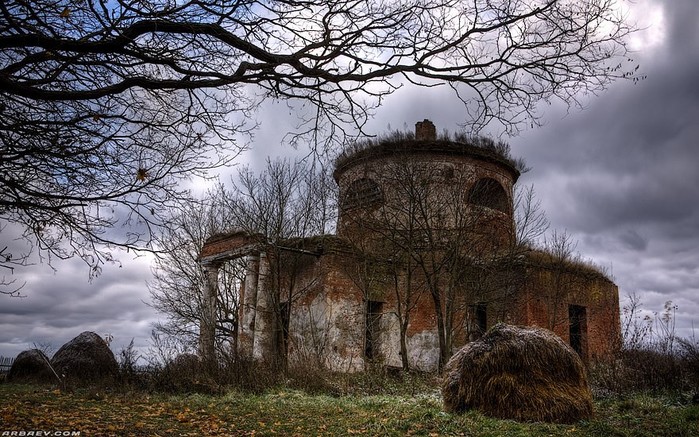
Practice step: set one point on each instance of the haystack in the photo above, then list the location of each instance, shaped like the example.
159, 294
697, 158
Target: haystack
521, 373
85, 358
31, 365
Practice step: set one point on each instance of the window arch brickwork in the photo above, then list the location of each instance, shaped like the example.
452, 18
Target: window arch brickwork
489, 193
362, 193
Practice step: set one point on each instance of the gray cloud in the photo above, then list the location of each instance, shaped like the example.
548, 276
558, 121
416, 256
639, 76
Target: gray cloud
622, 175
633, 240
58, 306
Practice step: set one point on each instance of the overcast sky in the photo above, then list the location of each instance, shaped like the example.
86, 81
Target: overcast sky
620, 176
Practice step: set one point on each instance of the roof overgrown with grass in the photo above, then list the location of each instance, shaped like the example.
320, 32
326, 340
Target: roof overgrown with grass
574, 265
395, 142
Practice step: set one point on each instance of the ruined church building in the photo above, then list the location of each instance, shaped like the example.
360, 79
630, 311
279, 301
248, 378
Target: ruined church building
423, 261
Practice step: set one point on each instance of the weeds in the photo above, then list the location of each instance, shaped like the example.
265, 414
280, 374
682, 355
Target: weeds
293, 412
651, 356
646, 390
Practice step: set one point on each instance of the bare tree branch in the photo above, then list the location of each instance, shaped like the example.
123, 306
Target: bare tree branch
106, 107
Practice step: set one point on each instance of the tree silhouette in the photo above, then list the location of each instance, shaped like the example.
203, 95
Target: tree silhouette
106, 106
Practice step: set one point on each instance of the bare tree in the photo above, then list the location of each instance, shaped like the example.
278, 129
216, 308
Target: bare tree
178, 283
107, 106
531, 222
435, 238
460, 237
285, 204
384, 268
9, 260
560, 248
287, 200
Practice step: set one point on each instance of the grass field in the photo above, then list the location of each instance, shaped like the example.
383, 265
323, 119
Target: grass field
288, 412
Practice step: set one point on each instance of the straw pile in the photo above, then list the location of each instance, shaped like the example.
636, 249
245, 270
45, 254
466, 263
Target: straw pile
31, 365
86, 358
521, 373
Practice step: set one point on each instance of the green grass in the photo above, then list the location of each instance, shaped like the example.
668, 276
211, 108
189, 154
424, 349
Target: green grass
291, 412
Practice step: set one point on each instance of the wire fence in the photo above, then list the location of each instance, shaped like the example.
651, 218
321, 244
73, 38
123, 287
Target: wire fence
5, 364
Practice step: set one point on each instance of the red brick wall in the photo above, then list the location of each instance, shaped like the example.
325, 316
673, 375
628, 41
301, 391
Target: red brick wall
547, 300
466, 170
219, 244
333, 281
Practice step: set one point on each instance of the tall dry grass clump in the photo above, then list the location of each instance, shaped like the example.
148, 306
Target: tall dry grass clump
521, 373
651, 356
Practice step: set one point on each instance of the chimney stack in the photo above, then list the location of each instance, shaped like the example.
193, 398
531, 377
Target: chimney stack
425, 131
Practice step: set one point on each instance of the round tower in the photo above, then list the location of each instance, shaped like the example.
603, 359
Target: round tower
427, 186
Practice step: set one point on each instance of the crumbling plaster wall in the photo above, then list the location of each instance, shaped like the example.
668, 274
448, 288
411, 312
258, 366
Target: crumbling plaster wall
331, 321
327, 323
328, 307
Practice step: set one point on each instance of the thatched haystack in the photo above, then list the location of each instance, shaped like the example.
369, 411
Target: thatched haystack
85, 358
31, 365
521, 373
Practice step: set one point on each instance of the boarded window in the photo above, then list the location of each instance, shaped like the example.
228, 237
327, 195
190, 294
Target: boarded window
577, 317
362, 193
489, 193
373, 329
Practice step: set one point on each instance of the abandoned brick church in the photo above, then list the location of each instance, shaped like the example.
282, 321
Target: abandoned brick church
425, 258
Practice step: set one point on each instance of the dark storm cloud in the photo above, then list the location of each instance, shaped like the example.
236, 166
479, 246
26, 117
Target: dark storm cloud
622, 174
631, 157
58, 306
633, 240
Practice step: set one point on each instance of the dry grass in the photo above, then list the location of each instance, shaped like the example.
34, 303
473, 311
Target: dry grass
85, 358
31, 365
520, 373
292, 412
575, 265
401, 142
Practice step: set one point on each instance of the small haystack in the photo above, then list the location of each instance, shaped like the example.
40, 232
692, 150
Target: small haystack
520, 373
85, 358
31, 365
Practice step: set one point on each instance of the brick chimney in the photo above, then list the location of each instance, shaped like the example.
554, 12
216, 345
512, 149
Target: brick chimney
425, 131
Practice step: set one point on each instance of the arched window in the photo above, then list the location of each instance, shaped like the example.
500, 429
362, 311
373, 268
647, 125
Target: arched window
362, 193
489, 193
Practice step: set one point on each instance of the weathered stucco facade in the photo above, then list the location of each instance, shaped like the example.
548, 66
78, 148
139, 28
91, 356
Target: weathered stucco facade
424, 260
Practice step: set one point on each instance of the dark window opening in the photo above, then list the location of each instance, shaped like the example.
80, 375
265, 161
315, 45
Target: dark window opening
362, 193
447, 172
284, 316
489, 193
373, 329
479, 320
577, 317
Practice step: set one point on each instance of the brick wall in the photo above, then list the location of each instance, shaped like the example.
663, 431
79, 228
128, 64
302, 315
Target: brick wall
425, 131
547, 299
219, 244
